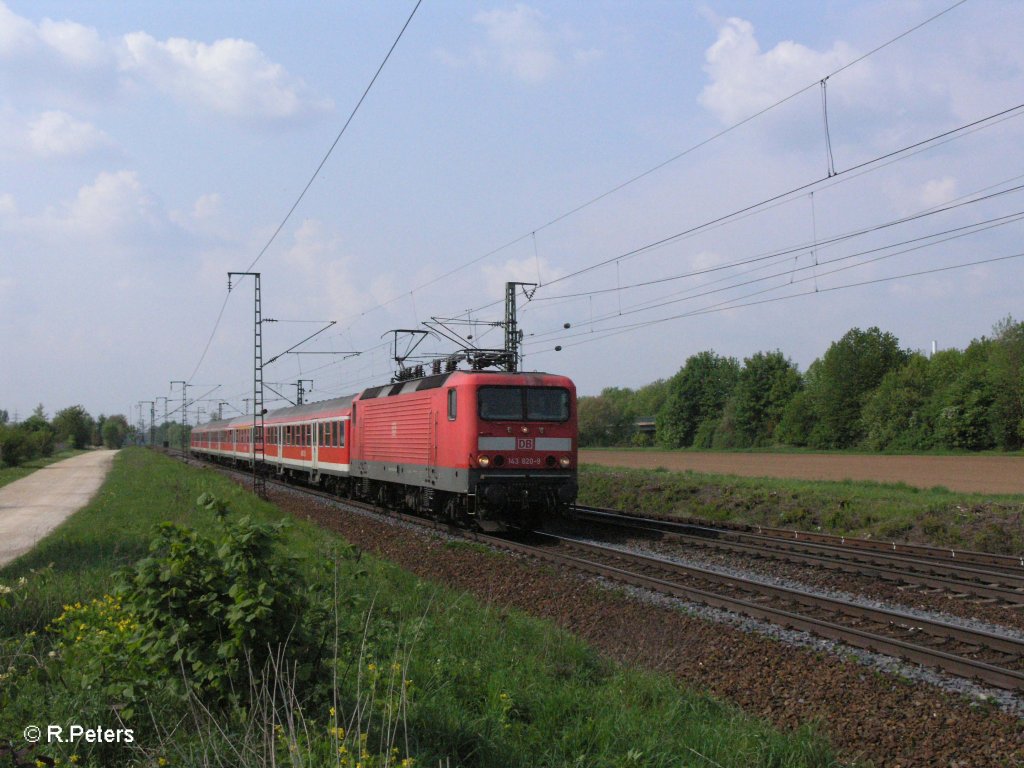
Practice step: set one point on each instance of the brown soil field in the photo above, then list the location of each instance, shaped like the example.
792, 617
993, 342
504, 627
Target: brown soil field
965, 474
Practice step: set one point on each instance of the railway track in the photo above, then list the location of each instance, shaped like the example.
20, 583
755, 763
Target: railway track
994, 659
990, 578
989, 658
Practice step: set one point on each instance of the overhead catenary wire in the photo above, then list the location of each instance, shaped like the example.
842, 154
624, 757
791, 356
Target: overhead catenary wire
934, 210
938, 238
942, 137
728, 305
312, 178
594, 200
860, 169
655, 168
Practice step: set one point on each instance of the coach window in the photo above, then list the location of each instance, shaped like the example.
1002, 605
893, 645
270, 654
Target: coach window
341, 434
453, 404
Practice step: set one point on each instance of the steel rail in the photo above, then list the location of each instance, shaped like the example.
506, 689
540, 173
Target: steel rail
1000, 568
993, 585
960, 666
881, 615
1012, 563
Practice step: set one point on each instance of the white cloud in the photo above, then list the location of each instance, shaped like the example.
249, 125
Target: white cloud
521, 43
8, 206
57, 134
745, 80
937, 191
114, 201
528, 269
17, 35
231, 77
75, 46
207, 207
114, 206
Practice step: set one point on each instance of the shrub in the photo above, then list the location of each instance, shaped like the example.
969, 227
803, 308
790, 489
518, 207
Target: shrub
219, 608
13, 446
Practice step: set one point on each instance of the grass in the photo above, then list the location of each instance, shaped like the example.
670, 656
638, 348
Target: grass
485, 686
10, 474
992, 523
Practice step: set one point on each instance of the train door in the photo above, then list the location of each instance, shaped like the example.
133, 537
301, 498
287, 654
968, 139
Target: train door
316, 441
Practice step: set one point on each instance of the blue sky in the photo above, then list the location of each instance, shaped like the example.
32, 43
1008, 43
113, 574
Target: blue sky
148, 148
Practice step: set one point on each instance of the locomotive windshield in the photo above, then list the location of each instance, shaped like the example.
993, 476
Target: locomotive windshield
523, 403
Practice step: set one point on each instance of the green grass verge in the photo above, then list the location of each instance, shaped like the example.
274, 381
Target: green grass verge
487, 686
10, 474
856, 508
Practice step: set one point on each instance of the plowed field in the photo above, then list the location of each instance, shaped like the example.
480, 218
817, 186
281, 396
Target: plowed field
967, 474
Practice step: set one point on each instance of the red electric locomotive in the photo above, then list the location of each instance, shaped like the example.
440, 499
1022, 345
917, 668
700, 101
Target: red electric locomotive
489, 449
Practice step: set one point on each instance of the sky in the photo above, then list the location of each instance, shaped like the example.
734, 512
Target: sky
147, 149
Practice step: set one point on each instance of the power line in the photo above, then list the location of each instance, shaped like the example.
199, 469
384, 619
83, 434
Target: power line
337, 138
795, 190
789, 250
724, 306
862, 168
622, 185
946, 236
893, 156
312, 178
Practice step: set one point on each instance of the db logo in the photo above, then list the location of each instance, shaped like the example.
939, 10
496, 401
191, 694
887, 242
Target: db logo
524, 444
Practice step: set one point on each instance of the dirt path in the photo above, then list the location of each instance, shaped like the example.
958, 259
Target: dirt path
32, 507
966, 474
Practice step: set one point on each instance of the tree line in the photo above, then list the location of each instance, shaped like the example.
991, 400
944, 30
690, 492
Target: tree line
865, 392
73, 427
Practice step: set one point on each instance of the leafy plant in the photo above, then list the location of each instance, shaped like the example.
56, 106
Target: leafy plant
216, 607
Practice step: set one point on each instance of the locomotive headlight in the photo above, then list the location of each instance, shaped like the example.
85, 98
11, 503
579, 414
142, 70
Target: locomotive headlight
483, 461
565, 461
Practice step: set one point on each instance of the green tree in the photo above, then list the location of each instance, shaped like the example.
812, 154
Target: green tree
1006, 381
962, 400
38, 435
766, 385
896, 416
603, 420
115, 431
851, 368
649, 399
695, 399
73, 424
96, 438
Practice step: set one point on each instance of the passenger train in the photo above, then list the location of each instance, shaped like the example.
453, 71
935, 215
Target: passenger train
487, 449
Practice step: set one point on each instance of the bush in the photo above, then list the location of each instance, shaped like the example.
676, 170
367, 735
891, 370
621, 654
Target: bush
221, 608
13, 446
199, 616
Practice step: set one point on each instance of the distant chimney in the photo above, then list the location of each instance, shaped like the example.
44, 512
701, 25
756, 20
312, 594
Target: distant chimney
935, 346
